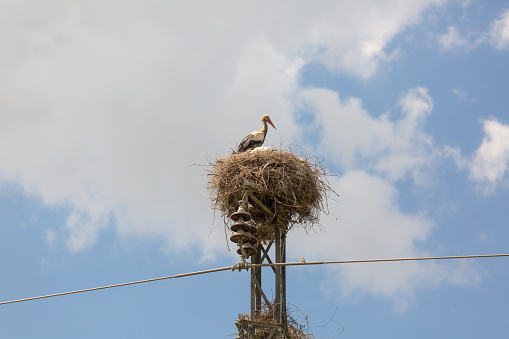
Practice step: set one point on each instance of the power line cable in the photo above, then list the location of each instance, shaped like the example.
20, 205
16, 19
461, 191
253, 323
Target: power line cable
118, 285
380, 260
257, 265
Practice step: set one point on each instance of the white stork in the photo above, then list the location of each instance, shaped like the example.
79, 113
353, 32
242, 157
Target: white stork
255, 138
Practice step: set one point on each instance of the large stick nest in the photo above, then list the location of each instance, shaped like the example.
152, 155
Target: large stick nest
294, 189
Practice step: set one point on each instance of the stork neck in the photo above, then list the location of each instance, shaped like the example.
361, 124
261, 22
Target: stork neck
264, 129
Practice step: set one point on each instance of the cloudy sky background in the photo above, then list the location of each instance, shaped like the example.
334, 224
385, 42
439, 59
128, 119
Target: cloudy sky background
105, 107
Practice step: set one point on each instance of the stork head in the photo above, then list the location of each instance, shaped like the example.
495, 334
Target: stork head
267, 118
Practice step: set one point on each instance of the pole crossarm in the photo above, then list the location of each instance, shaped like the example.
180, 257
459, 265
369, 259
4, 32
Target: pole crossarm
263, 324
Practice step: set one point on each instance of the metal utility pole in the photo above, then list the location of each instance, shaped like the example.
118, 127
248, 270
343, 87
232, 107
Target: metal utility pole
247, 324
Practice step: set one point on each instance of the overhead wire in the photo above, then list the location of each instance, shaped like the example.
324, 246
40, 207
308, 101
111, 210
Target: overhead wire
117, 285
256, 265
379, 260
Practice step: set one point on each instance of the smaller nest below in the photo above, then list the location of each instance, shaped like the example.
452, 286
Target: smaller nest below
294, 329
294, 189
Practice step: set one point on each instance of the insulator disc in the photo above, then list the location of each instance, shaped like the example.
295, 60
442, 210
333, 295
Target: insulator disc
243, 237
243, 226
250, 250
240, 214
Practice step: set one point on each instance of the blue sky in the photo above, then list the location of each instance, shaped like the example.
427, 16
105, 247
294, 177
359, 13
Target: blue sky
104, 107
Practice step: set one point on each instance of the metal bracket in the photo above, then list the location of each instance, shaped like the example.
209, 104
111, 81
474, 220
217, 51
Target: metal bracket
242, 265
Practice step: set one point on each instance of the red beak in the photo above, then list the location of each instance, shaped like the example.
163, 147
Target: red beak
270, 122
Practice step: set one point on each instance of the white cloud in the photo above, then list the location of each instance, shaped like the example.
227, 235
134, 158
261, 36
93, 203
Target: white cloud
354, 139
374, 153
83, 229
103, 110
489, 164
104, 114
370, 225
375, 23
466, 3
455, 154
50, 236
452, 39
498, 35
462, 95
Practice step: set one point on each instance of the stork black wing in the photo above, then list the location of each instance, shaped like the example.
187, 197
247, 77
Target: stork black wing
248, 143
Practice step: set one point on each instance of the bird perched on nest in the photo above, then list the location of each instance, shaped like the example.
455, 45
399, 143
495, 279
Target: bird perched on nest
255, 138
